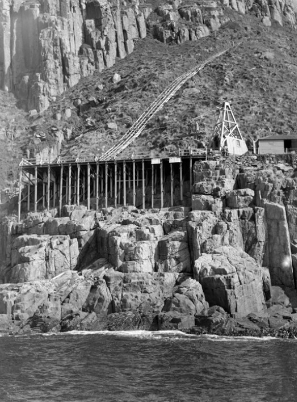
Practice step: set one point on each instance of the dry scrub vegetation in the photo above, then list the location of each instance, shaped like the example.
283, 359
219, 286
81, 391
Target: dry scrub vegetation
258, 78
13, 124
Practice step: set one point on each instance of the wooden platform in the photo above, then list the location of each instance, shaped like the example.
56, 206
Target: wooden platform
142, 182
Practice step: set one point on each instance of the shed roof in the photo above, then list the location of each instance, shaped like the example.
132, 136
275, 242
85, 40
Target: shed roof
278, 137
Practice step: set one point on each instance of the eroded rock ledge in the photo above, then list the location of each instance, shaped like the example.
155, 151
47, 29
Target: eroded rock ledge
228, 266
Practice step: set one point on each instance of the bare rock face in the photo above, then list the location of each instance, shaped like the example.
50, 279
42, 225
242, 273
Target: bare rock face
278, 249
48, 46
173, 253
144, 292
240, 198
212, 180
232, 280
41, 257
178, 22
36, 304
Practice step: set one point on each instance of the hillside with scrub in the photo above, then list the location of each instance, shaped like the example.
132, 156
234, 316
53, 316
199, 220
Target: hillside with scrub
257, 76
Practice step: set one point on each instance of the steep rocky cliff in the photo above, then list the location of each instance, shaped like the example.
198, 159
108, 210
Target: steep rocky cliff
231, 260
47, 46
229, 264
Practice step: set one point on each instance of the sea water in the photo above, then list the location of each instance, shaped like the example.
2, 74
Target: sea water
147, 367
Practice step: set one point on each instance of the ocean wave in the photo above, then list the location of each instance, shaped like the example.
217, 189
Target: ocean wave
170, 334
136, 333
222, 338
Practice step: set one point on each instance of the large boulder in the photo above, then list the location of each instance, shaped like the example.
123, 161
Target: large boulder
231, 279
188, 298
99, 299
173, 320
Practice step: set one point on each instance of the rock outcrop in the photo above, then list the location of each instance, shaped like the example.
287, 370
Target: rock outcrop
219, 266
231, 279
178, 22
128, 265
47, 46
255, 219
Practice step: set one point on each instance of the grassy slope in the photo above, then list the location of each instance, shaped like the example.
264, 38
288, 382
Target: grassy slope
258, 78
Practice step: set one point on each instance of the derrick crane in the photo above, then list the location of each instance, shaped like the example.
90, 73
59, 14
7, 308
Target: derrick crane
228, 132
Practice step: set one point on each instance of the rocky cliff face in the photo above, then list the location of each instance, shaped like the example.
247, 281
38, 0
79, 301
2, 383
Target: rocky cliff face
49, 45
233, 255
179, 21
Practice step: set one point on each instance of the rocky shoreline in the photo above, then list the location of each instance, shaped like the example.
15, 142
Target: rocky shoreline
226, 266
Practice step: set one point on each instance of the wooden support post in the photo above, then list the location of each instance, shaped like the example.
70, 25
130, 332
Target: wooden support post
171, 185
106, 184
110, 185
74, 185
181, 182
115, 184
78, 185
119, 199
48, 187
153, 179
97, 186
84, 185
88, 187
102, 180
54, 191
143, 185
43, 190
66, 190
29, 191
20, 194
191, 176
137, 177
35, 189
133, 184
129, 178
61, 191
161, 184
124, 184
69, 184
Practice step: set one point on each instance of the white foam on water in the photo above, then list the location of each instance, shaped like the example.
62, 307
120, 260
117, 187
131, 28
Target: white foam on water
136, 333
170, 334
222, 338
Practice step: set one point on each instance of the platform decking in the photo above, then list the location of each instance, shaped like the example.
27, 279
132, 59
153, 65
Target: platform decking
137, 181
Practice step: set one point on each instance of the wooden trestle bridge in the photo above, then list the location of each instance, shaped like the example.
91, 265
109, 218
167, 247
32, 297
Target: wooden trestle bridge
110, 180
101, 184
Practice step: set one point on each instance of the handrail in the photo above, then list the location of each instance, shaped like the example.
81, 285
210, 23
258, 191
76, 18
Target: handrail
164, 97
132, 156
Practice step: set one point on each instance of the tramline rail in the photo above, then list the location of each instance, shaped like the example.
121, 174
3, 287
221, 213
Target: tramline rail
157, 105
